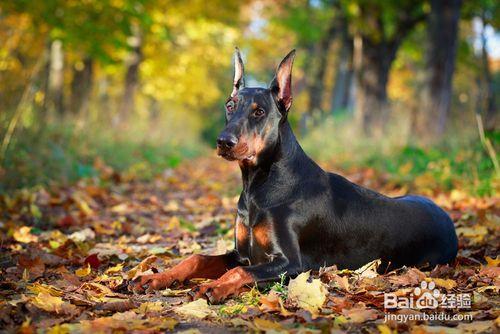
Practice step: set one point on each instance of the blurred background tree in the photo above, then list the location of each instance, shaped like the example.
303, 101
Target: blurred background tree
138, 85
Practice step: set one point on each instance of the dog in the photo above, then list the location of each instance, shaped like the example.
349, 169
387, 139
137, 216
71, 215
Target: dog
293, 216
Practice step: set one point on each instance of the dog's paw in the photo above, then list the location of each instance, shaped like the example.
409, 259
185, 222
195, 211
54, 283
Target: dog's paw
150, 283
214, 292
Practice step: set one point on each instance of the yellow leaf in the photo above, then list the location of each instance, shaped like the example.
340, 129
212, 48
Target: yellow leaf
83, 272
24, 235
196, 309
492, 262
141, 267
50, 303
38, 288
476, 234
54, 244
149, 307
384, 329
266, 325
406, 168
307, 295
443, 283
116, 269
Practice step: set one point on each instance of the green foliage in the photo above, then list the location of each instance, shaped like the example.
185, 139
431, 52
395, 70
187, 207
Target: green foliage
280, 287
184, 76
63, 153
460, 163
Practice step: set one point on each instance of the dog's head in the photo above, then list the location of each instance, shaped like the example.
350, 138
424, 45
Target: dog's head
254, 115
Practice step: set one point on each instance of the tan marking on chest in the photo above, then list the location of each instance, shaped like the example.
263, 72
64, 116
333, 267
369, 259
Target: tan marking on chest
262, 234
241, 231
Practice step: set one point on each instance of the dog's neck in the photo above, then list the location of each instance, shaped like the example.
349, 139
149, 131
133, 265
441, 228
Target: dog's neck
285, 150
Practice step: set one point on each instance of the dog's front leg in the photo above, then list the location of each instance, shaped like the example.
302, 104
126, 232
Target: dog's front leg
236, 279
195, 266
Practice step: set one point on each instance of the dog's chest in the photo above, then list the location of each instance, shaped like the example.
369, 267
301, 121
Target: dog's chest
254, 239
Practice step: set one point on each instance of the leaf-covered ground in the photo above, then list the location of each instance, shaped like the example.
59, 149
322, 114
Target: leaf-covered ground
67, 254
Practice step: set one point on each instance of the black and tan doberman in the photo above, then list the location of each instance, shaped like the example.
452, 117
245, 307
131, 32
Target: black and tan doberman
293, 216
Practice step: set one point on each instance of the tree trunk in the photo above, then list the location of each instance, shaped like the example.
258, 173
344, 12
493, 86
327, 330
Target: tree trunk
81, 86
344, 69
133, 62
45, 83
488, 106
437, 92
317, 86
372, 77
56, 77
308, 65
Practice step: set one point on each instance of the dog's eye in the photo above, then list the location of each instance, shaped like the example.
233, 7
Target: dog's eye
259, 112
230, 107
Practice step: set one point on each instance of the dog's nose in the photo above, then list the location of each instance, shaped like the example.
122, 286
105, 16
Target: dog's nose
227, 141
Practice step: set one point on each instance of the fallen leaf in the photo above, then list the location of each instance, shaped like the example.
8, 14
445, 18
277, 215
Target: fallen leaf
492, 262
83, 272
55, 304
38, 288
369, 270
83, 235
448, 284
359, 313
23, 235
384, 329
141, 267
267, 325
307, 295
476, 234
34, 266
196, 309
118, 305
148, 307
93, 261
114, 270
273, 303
412, 277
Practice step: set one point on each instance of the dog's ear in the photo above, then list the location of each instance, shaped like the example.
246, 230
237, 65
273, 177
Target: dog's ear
239, 71
281, 85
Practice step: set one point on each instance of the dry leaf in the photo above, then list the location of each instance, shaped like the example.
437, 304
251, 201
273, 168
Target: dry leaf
273, 303
83, 235
83, 272
369, 270
23, 235
267, 325
492, 262
34, 266
307, 295
360, 313
50, 303
196, 309
148, 307
448, 284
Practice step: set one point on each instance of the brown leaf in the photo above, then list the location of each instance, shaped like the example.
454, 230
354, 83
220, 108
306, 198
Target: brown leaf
34, 266
360, 313
116, 306
412, 277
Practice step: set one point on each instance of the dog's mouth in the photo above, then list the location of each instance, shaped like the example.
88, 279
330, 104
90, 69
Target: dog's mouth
230, 156
235, 154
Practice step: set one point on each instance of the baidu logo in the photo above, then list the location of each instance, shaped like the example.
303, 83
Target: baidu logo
427, 296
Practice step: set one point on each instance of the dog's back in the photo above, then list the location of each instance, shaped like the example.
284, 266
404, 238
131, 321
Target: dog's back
362, 225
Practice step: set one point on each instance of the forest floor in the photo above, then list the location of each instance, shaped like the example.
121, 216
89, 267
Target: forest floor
67, 254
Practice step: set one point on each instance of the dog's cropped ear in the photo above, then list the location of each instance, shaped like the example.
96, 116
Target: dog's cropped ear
239, 71
281, 85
